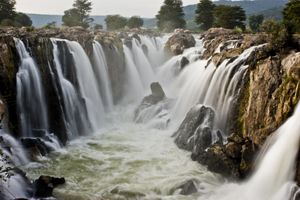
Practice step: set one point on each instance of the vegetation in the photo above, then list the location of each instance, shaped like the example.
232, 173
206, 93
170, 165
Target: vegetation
291, 15
278, 34
9, 17
229, 17
79, 14
135, 22
115, 22
98, 26
255, 22
170, 16
50, 25
205, 14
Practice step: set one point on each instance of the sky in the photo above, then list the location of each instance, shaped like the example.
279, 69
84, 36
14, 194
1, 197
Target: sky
143, 8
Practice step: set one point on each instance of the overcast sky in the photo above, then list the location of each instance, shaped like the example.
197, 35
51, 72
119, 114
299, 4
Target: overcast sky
144, 8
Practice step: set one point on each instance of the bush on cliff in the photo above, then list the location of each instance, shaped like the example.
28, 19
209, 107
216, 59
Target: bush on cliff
135, 22
291, 15
79, 14
170, 16
115, 22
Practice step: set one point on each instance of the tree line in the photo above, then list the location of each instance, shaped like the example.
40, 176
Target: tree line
9, 16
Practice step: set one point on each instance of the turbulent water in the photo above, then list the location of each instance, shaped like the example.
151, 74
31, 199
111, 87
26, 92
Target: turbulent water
112, 157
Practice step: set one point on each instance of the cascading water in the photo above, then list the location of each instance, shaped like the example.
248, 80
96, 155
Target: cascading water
30, 94
135, 161
274, 176
88, 86
76, 122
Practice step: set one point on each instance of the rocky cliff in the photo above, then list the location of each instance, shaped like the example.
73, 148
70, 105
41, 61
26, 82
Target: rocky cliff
267, 96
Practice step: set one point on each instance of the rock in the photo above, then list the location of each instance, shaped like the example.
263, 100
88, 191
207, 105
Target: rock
179, 42
2, 112
35, 146
188, 188
155, 108
184, 62
194, 133
157, 90
137, 37
145, 49
291, 64
44, 185
217, 161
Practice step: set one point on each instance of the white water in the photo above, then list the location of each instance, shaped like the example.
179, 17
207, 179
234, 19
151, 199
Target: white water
130, 161
30, 94
101, 72
273, 178
88, 86
71, 105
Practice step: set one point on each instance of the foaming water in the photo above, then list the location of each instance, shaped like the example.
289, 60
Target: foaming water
127, 161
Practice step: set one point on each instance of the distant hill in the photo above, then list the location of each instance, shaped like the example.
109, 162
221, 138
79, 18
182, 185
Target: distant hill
269, 8
274, 7
40, 20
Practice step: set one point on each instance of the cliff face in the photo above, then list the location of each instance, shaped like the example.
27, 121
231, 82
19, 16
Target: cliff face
267, 96
40, 47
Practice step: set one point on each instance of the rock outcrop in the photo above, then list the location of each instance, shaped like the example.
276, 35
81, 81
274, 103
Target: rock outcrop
154, 108
180, 41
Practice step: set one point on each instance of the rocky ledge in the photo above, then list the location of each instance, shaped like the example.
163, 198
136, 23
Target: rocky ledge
267, 96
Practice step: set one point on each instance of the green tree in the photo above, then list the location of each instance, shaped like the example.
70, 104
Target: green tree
229, 17
22, 19
115, 22
205, 14
135, 22
98, 26
255, 21
79, 15
170, 16
7, 9
291, 15
279, 37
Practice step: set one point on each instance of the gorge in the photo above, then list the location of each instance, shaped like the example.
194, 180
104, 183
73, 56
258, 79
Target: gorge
125, 115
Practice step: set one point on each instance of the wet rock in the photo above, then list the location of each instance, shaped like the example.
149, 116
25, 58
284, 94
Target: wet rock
35, 146
44, 185
155, 108
179, 42
188, 188
194, 133
291, 64
137, 37
184, 62
145, 49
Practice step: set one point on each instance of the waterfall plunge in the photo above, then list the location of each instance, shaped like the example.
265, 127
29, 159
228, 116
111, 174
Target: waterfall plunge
30, 94
273, 178
101, 72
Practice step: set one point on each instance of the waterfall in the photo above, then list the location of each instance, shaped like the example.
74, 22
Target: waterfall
101, 72
30, 94
76, 122
134, 87
273, 178
88, 86
12, 154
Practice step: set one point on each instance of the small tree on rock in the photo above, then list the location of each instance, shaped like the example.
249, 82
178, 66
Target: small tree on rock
255, 21
291, 15
22, 19
171, 16
205, 14
229, 17
115, 22
7, 9
79, 14
135, 22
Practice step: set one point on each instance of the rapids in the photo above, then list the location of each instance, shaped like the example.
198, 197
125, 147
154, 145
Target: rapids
109, 156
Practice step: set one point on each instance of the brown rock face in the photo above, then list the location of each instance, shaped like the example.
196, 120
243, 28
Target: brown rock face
179, 42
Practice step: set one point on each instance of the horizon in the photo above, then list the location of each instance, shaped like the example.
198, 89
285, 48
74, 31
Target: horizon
100, 8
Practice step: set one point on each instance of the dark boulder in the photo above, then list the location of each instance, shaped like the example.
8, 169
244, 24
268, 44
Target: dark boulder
188, 188
194, 133
184, 62
179, 42
35, 146
44, 185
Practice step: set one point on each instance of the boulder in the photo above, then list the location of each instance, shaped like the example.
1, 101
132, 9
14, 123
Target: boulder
188, 188
184, 62
291, 64
44, 185
195, 132
179, 42
154, 108
35, 146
